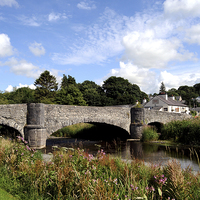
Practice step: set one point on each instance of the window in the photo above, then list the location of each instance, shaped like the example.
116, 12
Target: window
165, 109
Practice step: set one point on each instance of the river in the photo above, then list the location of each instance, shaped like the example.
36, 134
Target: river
148, 152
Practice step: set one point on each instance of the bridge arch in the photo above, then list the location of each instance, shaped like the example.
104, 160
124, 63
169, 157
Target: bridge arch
11, 132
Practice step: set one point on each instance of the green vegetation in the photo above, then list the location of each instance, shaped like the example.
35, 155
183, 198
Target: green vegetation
5, 195
93, 131
73, 130
149, 133
75, 174
185, 131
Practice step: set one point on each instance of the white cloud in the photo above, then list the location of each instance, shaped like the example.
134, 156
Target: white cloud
29, 21
37, 49
182, 8
10, 87
142, 77
23, 68
5, 46
193, 34
145, 50
9, 3
86, 5
54, 17
103, 40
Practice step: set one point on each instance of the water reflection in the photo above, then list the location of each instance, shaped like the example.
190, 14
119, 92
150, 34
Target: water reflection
149, 153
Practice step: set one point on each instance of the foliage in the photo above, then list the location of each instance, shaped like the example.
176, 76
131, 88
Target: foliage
162, 88
185, 131
70, 95
149, 133
75, 174
71, 131
120, 92
46, 86
92, 93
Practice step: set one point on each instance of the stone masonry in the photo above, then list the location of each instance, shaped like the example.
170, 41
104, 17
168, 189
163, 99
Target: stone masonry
37, 121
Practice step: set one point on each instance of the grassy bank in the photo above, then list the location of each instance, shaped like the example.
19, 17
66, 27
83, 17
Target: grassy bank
75, 174
185, 131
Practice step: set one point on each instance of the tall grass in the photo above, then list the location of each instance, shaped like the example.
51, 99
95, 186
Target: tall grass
185, 131
149, 133
76, 174
71, 131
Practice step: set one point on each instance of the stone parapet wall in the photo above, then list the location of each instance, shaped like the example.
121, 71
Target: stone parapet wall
163, 117
59, 116
14, 115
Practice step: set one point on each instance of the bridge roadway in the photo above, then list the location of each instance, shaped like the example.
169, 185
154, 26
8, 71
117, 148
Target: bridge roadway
37, 121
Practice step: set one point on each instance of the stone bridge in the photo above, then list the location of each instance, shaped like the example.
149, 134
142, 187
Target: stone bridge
37, 121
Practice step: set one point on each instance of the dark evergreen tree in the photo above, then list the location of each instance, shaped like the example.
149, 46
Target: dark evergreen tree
46, 86
162, 89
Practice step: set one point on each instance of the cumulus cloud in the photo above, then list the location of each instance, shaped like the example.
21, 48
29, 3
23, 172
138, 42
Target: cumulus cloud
193, 35
145, 50
86, 5
182, 8
9, 3
5, 46
10, 87
37, 49
23, 68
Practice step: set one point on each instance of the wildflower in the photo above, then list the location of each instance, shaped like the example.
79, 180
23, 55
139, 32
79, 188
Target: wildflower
22, 154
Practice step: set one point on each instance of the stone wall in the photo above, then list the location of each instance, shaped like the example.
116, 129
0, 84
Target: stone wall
14, 115
59, 116
163, 117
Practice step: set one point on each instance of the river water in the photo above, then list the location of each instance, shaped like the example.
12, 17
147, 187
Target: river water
148, 152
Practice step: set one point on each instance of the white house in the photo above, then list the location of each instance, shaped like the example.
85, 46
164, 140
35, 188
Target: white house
168, 104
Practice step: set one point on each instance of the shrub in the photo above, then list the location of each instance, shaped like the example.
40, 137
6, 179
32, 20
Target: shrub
149, 134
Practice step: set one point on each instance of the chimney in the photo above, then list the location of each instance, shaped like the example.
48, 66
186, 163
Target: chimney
144, 101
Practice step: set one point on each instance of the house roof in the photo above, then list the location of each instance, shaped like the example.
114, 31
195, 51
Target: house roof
171, 102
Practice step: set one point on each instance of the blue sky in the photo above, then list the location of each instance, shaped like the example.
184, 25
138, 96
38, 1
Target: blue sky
146, 41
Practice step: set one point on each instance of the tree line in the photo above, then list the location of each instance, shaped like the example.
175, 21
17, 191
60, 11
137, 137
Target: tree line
187, 93
114, 91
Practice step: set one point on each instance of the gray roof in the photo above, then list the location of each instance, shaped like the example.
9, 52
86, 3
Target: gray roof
171, 102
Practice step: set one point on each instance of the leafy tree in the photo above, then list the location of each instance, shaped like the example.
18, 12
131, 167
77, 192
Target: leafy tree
46, 86
66, 81
162, 88
70, 95
197, 88
120, 92
21, 95
92, 93
172, 92
187, 93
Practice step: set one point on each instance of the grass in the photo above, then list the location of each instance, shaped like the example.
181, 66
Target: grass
76, 174
149, 133
6, 196
185, 131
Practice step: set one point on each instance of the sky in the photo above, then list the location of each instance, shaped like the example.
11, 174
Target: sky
146, 41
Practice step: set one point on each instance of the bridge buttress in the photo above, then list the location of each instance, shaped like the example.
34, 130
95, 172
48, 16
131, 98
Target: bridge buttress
35, 131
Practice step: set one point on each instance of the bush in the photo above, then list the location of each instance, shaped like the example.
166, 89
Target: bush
185, 131
149, 134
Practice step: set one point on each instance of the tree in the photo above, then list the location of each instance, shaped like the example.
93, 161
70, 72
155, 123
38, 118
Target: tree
70, 95
22, 95
92, 93
66, 81
46, 86
197, 88
120, 91
187, 93
173, 92
162, 88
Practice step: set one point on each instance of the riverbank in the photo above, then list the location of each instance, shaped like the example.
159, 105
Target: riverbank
76, 174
